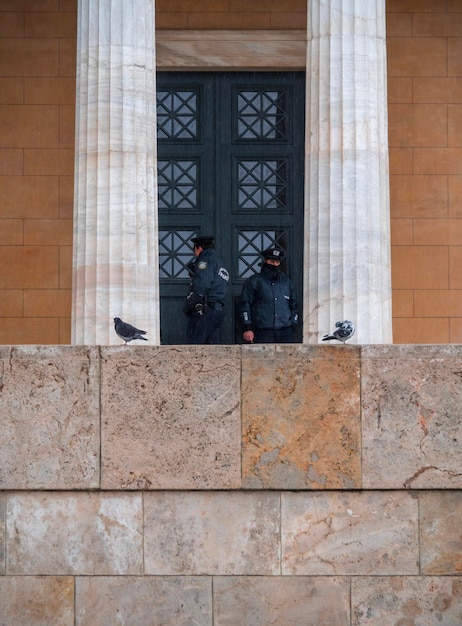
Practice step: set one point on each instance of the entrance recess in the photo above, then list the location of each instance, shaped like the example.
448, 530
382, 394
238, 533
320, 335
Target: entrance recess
230, 164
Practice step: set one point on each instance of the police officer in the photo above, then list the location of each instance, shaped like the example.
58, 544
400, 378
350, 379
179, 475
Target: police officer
268, 304
205, 303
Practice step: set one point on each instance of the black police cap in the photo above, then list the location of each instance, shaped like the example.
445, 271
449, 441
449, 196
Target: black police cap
204, 241
273, 252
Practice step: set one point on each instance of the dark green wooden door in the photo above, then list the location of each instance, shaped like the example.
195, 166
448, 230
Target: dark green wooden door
230, 164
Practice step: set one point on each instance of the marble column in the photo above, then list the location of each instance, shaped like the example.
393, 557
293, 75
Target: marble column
347, 221
115, 265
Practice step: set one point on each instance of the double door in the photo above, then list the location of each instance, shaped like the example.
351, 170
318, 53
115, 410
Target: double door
230, 164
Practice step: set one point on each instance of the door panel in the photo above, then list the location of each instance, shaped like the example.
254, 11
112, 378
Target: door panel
230, 163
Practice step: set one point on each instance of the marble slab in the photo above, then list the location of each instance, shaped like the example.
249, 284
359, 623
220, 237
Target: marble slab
301, 417
411, 403
171, 417
49, 408
68, 534
211, 533
406, 601
137, 601
238, 49
440, 532
2, 533
354, 533
258, 601
36, 600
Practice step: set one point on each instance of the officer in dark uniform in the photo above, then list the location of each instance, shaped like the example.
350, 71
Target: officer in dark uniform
268, 304
205, 303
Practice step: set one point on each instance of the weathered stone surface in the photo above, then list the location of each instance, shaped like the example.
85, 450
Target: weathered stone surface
2, 533
340, 533
171, 417
85, 533
49, 408
406, 601
139, 601
301, 417
36, 601
440, 532
412, 416
282, 601
222, 533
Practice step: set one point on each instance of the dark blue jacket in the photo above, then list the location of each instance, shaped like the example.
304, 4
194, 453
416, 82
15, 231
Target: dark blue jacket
268, 300
209, 280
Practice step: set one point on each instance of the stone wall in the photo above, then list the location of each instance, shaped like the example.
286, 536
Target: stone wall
231, 485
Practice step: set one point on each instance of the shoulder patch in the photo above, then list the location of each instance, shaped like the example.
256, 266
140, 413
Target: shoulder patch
223, 273
202, 265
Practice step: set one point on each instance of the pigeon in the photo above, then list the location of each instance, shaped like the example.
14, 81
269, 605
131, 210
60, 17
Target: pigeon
345, 330
127, 332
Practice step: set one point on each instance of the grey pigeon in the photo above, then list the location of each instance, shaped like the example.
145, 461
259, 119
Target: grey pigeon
344, 330
127, 332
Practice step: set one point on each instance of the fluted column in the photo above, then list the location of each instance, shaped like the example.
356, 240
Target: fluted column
347, 221
115, 266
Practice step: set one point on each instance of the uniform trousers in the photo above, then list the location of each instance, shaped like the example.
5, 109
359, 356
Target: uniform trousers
274, 335
205, 328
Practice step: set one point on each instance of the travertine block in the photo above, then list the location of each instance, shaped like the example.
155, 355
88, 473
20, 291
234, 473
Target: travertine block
440, 533
2, 533
406, 601
411, 416
171, 417
301, 417
221, 533
137, 601
36, 600
257, 601
49, 410
85, 533
339, 533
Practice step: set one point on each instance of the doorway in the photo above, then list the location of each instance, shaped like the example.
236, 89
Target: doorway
230, 164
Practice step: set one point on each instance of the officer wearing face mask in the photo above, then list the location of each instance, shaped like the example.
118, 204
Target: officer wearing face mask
205, 302
268, 304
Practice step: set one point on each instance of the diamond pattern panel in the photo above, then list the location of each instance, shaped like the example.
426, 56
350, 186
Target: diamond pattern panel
177, 115
175, 253
177, 182
251, 243
262, 115
262, 185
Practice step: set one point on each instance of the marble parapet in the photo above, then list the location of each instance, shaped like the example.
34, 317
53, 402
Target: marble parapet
297, 417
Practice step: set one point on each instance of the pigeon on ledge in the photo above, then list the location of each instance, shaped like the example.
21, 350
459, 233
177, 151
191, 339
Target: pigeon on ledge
127, 332
344, 330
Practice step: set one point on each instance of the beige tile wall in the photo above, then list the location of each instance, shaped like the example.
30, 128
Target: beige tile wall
424, 40
37, 95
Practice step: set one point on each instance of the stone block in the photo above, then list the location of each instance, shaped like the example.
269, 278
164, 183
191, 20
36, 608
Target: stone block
70, 534
49, 408
258, 601
37, 600
212, 533
2, 533
135, 600
354, 533
411, 416
406, 601
440, 533
171, 417
301, 417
